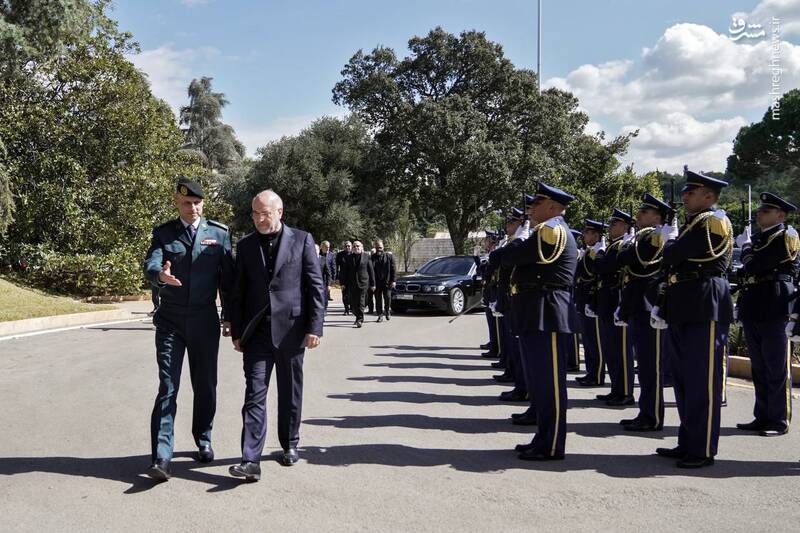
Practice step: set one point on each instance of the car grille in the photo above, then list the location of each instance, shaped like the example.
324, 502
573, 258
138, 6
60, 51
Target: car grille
412, 287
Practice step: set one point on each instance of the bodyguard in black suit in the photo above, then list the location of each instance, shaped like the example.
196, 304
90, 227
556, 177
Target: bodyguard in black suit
770, 267
277, 310
384, 269
341, 258
359, 277
699, 310
545, 265
189, 260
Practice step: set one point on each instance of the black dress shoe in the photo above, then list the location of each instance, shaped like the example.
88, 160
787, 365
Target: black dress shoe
627, 421
573, 368
526, 412
694, 462
618, 402
504, 378
290, 457
380, 318
672, 453
160, 470
485, 346
528, 419
490, 355
605, 396
359, 323
641, 426
205, 454
388, 316
498, 364
589, 383
532, 455
774, 430
249, 471
512, 396
523, 447
755, 425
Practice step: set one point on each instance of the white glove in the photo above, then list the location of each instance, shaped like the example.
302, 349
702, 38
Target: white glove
628, 237
789, 329
668, 232
744, 239
588, 312
581, 253
600, 245
656, 322
523, 231
617, 320
493, 309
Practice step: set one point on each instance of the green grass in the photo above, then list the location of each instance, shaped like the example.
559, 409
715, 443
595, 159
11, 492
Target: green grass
17, 303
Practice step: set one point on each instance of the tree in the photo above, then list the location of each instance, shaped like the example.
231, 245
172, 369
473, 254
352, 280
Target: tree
405, 234
313, 174
464, 131
766, 154
206, 135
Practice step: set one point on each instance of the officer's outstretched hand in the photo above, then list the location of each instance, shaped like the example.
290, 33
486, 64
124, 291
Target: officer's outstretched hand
165, 276
237, 345
311, 341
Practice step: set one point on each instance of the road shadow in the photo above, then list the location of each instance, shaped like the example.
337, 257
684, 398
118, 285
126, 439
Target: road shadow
127, 470
431, 366
475, 426
433, 355
484, 461
415, 397
462, 382
426, 348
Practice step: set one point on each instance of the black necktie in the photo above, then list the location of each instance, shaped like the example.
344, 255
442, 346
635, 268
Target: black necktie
191, 231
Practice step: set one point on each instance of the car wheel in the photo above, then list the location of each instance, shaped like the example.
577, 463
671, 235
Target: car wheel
397, 308
457, 302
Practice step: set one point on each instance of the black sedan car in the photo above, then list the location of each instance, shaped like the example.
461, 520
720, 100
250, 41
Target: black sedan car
451, 284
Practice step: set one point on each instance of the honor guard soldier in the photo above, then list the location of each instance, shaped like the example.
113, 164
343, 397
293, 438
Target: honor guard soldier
514, 372
770, 267
585, 301
642, 263
488, 295
699, 310
572, 345
544, 266
615, 341
190, 260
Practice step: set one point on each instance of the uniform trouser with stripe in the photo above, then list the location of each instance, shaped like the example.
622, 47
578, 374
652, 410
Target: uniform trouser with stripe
514, 361
648, 344
592, 352
770, 359
548, 369
696, 349
619, 357
571, 349
490, 322
197, 332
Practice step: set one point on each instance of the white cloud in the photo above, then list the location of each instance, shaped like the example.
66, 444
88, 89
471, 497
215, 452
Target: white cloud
170, 70
687, 94
787, 11
192, 3
254, 136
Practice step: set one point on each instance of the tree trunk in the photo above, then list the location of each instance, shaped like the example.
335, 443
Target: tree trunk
458, 234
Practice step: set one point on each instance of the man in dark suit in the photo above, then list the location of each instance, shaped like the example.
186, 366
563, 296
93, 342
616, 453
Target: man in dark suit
277, 310
341, 258
189, 260
359, 277
328, 267
383, 266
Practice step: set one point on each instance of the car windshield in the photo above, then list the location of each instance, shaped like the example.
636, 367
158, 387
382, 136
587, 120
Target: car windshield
448, 265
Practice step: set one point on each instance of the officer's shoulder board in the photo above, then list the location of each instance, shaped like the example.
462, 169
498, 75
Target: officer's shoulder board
792, 241
551, 230
718, 223
217, 224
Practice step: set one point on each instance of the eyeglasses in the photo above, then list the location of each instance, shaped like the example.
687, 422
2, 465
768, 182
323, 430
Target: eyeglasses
263, 214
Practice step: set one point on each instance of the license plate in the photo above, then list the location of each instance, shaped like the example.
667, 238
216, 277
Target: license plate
404, 296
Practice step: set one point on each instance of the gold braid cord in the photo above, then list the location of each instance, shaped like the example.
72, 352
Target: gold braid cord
643, 234
560, 242
792, 242
714, 252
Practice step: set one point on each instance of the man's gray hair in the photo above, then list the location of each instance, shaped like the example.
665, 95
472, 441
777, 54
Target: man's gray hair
270, 198
326, 243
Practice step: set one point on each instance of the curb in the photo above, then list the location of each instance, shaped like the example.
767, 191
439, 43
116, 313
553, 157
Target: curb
739, 367
29, 325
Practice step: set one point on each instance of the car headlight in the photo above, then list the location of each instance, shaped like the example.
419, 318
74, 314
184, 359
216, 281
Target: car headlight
426, 288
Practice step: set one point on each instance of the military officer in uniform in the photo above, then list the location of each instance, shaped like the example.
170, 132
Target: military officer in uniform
544, 266
770, 266
585, 301
614, 338
190, 261
572, 345
699, 310
488, 295
642, 263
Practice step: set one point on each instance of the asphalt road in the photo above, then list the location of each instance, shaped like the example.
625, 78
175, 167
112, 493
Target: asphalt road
401, 431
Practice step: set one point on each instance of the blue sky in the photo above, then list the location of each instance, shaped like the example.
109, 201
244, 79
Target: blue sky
277, 60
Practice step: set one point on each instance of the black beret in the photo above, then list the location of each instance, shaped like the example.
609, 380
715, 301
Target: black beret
189, 187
